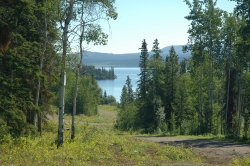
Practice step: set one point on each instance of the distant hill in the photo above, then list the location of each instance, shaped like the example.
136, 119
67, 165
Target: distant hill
124, 60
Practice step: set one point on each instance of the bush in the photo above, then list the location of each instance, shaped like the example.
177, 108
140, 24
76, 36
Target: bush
4, 131
126, 118
110, 100
88, 97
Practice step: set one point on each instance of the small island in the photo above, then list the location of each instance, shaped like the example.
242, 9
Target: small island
100, 73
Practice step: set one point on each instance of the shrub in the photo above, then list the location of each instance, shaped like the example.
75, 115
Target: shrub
126, 118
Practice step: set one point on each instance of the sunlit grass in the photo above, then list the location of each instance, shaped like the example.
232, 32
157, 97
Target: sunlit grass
92, 146
110, 108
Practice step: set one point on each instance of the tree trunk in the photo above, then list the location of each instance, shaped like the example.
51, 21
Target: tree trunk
69, 15
74, 106
200, 103
77, 78
228, 85
61, 109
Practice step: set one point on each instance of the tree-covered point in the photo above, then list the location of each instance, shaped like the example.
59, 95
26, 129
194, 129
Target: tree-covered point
99, 73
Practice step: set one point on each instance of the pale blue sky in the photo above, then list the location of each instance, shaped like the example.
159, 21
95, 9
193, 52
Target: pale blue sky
149, 19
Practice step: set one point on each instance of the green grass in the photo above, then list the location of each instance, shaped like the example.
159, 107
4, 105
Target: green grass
99, 118
110, 108
92, 146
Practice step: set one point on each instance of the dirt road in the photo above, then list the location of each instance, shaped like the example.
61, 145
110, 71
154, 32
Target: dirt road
214, 152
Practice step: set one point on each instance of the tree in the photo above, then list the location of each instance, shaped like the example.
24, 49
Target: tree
91, 12
144, 72
205, 44
157, 67
130, 92
124, 97
146, 114
88, 97
171, 71
156, 50
229, 36
89, 32
5, 33
243, 53
20, 66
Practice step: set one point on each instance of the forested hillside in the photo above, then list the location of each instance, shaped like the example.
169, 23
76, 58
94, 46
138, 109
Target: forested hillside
208, 93
125, 60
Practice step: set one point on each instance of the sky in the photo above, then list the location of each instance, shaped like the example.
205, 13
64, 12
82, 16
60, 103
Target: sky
149, 19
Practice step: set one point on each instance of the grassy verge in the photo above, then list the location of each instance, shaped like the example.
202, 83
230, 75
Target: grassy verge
92, 146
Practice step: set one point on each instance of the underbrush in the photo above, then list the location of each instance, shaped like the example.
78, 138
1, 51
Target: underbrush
92, 146
241, 161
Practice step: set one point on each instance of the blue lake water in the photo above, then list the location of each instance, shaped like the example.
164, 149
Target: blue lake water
114, 87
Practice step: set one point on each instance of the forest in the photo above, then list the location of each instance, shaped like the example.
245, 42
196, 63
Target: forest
39, 72
208, 93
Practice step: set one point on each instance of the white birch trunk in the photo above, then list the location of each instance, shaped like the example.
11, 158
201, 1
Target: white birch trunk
61, 109
65, 28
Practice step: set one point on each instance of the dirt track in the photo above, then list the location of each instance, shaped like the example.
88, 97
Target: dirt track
214, 152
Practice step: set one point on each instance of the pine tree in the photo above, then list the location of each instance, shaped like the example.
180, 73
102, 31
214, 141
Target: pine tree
171, 70
146, 115
144, 73
129, 90
124, 97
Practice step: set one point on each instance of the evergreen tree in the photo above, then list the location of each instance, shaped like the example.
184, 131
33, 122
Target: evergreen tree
171, 79
156, 50
130, 92
20, 65
144, 73
124, 97
146, 115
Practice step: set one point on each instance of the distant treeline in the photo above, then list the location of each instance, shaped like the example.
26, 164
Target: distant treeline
100, 73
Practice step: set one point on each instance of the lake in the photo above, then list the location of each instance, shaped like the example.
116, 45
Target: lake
114, 87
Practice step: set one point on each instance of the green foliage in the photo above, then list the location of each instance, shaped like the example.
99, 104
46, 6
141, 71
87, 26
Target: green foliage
110, 100
127, 95
241, 161
92, 146
170, 87
20, 65
124, 97
127, 118
88, 98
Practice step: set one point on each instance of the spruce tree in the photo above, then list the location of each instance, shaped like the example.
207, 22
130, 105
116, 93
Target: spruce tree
144, 73
146, 115
129, 90
124, 97
171, 71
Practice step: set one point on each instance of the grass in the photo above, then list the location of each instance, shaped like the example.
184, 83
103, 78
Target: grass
92, 146
109, 108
